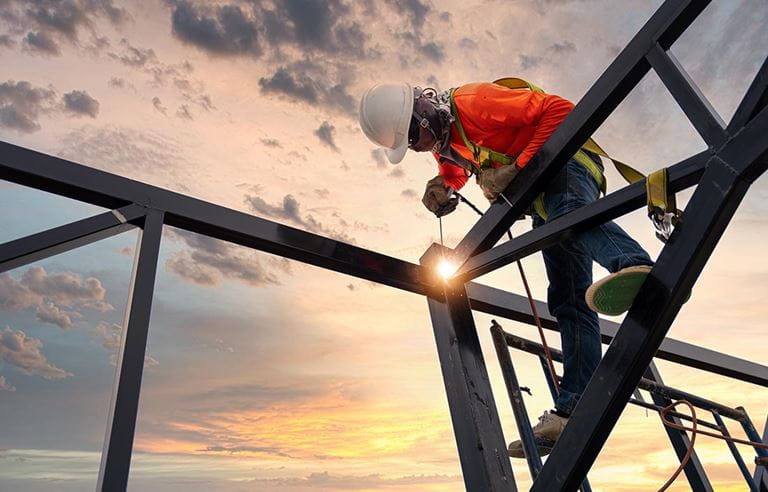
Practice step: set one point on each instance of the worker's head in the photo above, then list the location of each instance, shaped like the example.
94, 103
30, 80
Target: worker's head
398, 117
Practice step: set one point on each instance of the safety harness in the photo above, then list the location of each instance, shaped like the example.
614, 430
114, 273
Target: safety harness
662, 209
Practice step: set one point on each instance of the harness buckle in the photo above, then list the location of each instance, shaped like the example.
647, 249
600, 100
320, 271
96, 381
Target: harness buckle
664, 223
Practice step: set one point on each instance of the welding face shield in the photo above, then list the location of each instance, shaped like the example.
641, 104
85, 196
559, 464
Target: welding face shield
426, 126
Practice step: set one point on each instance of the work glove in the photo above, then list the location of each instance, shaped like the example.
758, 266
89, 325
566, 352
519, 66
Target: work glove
437, 199
495, 180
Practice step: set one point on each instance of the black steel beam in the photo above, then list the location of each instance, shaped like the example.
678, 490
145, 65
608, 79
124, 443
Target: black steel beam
736, 455
694, 471
753, 101
118, 444
65, 178
681, 175
761, 471
477, 429
664, 27
35, 247
515, 307
708, 213
691, 100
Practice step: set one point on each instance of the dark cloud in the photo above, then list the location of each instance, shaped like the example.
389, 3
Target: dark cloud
208, 261
158, 105
79, 103
25, 353
183, 112
397, 173
528, 61
5, 386
409, 193
6, 41
271, 142
226, 30
41, 42
133, 56
380, 158
416, 49
290, 210
415, 10
118, 82
21, 104
326, 133
564, 47
309, 82
434, 51
467, 44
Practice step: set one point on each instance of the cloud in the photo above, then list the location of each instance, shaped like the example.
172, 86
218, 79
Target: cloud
415, 10
183, 112
289, 210
109, 334
25, 354
327, 481
380, 158
309, 82
409, 193
208, 261
325, 133
158, 105
322, 193
80, 103
133, 56
118, 82
21, 104
564, 47
271, 142
46, 293
48, 312
41, 42
225, 30
6, 41
397, 173
528, 62
5, 386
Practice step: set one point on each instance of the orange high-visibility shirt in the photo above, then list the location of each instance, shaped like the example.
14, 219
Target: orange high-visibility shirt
516, 122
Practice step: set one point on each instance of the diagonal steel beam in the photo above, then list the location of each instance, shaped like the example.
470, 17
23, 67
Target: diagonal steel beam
34, 247
708, 213
753, 101
118, 444
681, 175
664, 27
692, 101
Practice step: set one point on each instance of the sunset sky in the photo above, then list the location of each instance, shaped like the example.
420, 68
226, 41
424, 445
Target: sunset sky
268, 374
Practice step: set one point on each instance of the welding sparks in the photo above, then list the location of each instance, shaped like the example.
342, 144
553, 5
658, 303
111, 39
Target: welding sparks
446, 269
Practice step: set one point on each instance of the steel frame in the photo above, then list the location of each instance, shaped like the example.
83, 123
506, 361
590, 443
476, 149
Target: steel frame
737, 155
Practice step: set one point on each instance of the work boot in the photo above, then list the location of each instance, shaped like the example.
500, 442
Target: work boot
615, 293
545, 433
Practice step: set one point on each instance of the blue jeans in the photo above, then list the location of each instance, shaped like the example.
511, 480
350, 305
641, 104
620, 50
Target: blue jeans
569, 270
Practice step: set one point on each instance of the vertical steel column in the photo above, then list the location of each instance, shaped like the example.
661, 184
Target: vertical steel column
118, 444
694, 471
516, 399
479, 438
735, 452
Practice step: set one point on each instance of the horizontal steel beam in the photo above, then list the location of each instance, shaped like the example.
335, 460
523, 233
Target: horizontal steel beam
515, 307
65, 178
629, 67
682, 175
41, 245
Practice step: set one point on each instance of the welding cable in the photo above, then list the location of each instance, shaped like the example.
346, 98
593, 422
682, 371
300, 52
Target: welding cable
531, 302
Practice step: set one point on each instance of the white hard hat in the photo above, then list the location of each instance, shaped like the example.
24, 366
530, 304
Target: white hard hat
385, 115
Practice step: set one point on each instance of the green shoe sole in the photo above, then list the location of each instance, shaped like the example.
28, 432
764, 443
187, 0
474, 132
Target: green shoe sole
615, 294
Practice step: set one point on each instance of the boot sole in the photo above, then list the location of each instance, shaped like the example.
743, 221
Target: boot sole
615, 294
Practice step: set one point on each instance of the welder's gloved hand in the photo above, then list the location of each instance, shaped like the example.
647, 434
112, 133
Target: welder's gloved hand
494, 181
437, 199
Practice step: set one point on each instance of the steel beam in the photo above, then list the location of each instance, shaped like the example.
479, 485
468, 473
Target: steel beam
681, 175
708, 213
477, 429
694, 471
735, 453
752, 435
515, 307
761, 472
691, 100
664, 27
65, 178
41, 245
753, 101
118, 443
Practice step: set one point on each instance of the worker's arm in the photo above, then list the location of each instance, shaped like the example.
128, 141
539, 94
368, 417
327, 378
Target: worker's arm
452, 174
